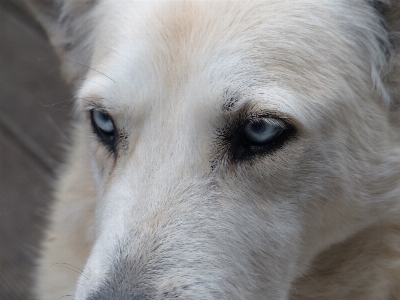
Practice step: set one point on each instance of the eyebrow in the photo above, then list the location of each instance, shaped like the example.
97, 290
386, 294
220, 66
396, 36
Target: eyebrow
229, 100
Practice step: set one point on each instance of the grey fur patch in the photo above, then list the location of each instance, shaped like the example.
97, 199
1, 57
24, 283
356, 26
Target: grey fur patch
126, 279
380, 7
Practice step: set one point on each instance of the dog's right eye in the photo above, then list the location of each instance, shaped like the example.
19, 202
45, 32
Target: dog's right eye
259, 136
262, 131
104, 128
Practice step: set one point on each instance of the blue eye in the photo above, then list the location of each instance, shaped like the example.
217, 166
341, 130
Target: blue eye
103, 122
263, 131
258, 136
104, 128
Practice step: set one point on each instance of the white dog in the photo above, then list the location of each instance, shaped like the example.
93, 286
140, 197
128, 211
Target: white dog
227, 150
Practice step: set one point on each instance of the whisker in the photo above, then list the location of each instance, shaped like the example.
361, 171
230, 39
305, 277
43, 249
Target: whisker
74, 62
95, 83
72, 268
55, 103
65, 296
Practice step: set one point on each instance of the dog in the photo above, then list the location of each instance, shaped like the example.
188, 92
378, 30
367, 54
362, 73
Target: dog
227, 150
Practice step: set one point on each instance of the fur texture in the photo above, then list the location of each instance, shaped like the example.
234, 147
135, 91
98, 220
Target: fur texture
181, 207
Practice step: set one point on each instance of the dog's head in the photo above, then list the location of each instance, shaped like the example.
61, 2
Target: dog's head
231, 142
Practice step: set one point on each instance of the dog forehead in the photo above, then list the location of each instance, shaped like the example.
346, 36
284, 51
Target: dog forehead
212, 46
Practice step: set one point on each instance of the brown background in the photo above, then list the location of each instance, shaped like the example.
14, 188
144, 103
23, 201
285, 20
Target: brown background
34, 111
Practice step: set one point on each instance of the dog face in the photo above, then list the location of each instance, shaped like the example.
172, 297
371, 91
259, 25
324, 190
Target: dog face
230, 142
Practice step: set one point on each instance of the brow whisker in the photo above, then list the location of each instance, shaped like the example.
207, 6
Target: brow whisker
95, 83
72, 268
83, 65
65, 296
55, 103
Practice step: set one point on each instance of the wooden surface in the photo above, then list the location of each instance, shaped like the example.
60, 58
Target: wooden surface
35, 106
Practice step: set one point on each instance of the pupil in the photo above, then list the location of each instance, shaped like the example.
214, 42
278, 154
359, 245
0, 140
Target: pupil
104, 118
258, 127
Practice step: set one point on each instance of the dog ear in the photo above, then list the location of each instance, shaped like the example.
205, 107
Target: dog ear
67, 25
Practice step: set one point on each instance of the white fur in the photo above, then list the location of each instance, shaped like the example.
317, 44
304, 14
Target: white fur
171, 215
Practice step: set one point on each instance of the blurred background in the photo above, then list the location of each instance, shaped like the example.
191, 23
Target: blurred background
35, 106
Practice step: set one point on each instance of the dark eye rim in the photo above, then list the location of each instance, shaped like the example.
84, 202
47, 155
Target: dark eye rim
243, 149
108, 139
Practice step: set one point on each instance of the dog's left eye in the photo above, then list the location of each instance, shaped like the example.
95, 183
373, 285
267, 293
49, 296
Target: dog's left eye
259, 136
262, 131
104, 127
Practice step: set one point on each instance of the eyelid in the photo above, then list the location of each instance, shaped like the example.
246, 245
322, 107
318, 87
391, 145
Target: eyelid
95, 103
272, 120
91, 105
253, 111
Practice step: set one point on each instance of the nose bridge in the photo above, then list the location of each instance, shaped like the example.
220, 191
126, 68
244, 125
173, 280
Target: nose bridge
173, 142
148, 241
170, 154
161, 178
